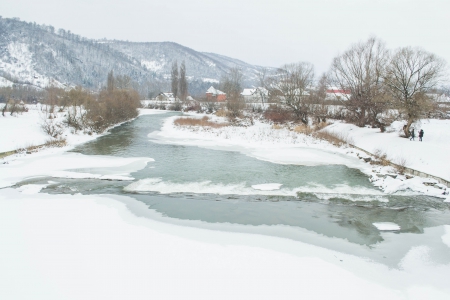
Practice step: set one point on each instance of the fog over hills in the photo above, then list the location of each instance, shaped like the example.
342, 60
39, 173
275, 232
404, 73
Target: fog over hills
38, 55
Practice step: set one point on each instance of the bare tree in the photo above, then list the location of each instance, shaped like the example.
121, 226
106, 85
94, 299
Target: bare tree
360, 71
318, 99
183, 82
174, 79
231, 84
410, 75
293, 82
262, 90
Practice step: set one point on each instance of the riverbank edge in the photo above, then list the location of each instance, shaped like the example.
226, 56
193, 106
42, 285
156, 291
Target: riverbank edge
406, 169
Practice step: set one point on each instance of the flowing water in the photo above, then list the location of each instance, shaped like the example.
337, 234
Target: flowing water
332, 206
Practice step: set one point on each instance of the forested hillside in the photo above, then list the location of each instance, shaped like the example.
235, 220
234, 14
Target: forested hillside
39, 55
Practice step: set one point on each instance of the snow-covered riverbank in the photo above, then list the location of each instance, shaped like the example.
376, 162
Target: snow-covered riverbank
284, 146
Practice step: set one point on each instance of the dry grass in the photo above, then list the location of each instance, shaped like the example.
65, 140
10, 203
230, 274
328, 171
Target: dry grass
337, 139
56, 143
380, 158
277, 127
221, 113
303, 129
401, 165
321, 125
204, 122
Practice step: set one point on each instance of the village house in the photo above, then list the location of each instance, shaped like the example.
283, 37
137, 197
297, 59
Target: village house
336, 93
213, 94
167, 97
258, 94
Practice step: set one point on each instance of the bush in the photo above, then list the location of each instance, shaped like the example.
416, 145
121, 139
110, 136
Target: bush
112, 107
278, 114
380, 158
176, 106
401, 165
52, 128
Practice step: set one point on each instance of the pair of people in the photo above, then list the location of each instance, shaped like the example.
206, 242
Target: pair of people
413, 135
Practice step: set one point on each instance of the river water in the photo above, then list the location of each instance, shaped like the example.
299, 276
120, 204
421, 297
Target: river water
331, 206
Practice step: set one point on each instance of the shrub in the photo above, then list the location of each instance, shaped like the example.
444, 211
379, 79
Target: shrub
401, 165
278, 114
112, 107
380, 158
176, 106
52, 128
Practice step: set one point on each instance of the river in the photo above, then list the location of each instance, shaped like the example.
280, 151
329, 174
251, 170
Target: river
332, 206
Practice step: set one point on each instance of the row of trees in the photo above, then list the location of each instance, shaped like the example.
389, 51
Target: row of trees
178, 81
89, 112
376, 80
379, 79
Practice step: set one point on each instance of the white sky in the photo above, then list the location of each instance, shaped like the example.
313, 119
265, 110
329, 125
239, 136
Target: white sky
262, 32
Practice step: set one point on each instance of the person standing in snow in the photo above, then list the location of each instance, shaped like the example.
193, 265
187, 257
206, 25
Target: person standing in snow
413, 135
420, 134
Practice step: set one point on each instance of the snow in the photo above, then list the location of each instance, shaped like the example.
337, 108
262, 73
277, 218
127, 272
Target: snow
20, 66
386, 226
153, 65
93, 247
427, 156
5, 83
100, 246
21, 131
210, 80
267, 186
446, 236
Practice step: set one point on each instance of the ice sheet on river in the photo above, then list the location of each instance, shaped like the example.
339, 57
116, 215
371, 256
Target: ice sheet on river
70, 165
96, 243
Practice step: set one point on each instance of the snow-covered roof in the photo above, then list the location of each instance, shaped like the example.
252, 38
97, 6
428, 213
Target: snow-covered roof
248, 92
168, 95
214, 91
211, 90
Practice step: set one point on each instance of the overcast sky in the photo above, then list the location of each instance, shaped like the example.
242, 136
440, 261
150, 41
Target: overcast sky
262, 32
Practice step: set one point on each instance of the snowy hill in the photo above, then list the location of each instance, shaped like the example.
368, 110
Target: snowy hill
37, 55
157, 57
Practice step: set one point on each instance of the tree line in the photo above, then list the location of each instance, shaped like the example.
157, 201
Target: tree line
377, 82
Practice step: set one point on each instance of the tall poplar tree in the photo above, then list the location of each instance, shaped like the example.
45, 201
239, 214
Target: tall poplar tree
174, 79
183, 82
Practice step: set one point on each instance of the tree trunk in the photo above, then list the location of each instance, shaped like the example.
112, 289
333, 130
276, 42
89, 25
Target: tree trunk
406, 128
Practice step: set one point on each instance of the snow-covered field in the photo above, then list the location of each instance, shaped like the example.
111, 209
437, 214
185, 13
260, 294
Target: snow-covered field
100, 247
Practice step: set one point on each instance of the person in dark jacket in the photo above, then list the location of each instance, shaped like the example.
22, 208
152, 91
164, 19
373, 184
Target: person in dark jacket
413, 135
420, 134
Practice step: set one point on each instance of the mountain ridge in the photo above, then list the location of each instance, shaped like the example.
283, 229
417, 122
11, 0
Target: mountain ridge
38, 55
